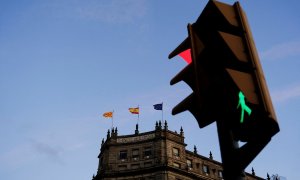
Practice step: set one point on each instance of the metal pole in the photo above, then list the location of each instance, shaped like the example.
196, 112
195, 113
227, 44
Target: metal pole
230, 158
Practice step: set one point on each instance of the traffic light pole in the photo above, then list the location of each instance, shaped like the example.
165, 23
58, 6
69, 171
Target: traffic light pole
228, 149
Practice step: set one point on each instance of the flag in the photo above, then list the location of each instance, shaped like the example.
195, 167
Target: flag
134, 110
186, 55
158, 106
108, 114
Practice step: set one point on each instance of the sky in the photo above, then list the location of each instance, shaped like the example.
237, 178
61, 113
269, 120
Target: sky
63, 63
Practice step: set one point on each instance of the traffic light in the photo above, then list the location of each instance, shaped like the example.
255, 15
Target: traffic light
225, 75
201, 102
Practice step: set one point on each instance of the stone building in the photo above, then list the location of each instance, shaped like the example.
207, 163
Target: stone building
159, 154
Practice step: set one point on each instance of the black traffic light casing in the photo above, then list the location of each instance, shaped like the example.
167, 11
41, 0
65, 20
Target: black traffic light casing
199, 102
224, 64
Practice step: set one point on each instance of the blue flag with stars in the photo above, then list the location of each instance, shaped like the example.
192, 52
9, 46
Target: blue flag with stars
158, 106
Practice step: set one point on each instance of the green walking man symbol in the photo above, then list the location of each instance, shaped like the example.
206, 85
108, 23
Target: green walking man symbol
243, 106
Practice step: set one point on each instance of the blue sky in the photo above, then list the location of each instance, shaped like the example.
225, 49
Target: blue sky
63, 63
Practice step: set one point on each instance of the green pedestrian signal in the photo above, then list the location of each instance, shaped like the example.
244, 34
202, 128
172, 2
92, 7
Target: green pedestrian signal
243, 105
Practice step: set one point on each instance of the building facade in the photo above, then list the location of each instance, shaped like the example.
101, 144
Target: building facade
156, 155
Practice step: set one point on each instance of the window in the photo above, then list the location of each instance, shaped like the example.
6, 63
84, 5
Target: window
176, 165
135, 154
220, 174
175, 152
205, 169
123, 155
189, 163
100, 163
147, 152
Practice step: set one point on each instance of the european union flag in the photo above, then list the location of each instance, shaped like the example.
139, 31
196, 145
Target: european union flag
158, 106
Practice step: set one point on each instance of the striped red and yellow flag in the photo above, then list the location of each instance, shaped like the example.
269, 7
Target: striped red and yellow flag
134, 110
108, 114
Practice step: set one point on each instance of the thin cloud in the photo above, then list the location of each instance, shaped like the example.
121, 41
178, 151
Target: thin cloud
46, 149
281, 51
286, 94
113, 11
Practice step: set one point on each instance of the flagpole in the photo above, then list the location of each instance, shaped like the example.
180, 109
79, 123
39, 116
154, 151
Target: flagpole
138, 115
162, 112
112, 119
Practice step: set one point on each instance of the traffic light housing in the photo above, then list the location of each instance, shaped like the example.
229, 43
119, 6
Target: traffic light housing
225, 74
